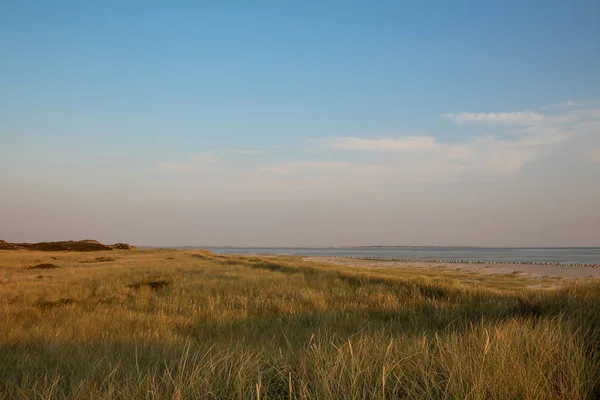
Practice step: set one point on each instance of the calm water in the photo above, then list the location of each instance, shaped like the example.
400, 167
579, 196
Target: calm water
588, 255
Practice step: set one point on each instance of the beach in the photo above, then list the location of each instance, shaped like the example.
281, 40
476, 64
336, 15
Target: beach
531, 270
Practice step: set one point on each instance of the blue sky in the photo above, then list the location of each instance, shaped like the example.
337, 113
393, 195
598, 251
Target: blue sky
301, 123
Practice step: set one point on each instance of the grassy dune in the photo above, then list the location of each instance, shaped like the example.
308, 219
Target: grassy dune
190, 324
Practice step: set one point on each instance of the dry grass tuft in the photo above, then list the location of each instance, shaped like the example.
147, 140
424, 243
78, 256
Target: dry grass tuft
154, 285
57, 303
43, 266
97, 259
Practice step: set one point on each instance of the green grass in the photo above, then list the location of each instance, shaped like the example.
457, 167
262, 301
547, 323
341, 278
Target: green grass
176, 325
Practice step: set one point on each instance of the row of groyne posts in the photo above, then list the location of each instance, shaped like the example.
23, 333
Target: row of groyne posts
547, 263
490, 262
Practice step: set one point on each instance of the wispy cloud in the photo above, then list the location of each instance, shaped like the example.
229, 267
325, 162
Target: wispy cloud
521, 117
203, 161
321, 165
413, 158
510, 155
487, 153
582, 103
193, 163
244, 152
508, 151
409, 143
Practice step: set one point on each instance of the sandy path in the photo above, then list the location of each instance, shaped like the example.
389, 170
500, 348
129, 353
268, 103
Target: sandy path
567, 272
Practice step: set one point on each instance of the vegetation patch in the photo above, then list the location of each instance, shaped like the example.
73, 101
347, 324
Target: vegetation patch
208, 255
123, 246
97, 259
62, 302
153, 285
70, 245
43, 266
4, 245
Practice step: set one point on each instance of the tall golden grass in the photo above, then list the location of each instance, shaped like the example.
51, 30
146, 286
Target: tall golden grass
166, 324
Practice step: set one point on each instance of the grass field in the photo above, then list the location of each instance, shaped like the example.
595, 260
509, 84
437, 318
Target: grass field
190, 324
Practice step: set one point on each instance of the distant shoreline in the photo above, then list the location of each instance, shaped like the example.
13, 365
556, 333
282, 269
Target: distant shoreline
535, 256
530, 269
377, 247
470, 262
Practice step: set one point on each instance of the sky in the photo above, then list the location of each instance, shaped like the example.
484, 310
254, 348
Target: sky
301, 123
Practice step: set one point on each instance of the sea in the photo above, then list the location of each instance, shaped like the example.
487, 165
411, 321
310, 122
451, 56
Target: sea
567, 255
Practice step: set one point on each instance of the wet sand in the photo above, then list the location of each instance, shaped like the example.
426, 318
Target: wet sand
533, 270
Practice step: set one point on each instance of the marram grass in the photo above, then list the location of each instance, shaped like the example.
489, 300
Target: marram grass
167, 324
